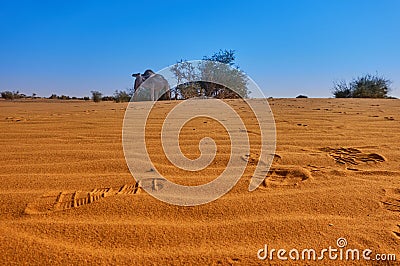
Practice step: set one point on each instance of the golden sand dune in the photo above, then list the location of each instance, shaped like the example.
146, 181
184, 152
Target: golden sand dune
67, 196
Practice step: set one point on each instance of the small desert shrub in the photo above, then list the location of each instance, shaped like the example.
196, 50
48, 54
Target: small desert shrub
107, 98
96, 96
302, 96
64, 97
8, 95
368, 86
122, 96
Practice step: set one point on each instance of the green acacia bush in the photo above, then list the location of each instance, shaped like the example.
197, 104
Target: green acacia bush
8, 95
11, 95
122, 96
367, 86
96, 96
220, 68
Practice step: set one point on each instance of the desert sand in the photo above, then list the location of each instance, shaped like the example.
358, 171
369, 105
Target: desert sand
67, 196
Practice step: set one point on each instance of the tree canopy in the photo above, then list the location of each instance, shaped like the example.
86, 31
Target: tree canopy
216, 76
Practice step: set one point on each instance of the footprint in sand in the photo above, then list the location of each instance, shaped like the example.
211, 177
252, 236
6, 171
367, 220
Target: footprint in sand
61, 201
392, 200
389, 118
353, 156
397, 231
286, 176
392, 203
280, 175
253, 159
15, 119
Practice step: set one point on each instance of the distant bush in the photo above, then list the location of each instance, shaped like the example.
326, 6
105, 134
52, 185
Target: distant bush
96, 96
53, 96
122, 96
86, 98
107, 98
301, 96
8, 95
64, 97
368, 86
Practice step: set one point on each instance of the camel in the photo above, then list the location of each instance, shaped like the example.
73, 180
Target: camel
155, 83
138, 80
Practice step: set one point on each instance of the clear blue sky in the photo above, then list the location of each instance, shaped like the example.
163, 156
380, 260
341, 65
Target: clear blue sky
287, 47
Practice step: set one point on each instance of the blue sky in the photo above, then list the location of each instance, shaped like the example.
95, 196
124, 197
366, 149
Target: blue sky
286, 47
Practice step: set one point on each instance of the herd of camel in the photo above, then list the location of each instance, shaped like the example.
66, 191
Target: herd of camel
151, 82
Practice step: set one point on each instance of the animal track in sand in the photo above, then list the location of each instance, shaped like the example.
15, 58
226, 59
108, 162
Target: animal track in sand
392, 203
280, 175
61, 201
286, 176
253, 159
392, 200
389, 118
352, 156
16, 119
397, 233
